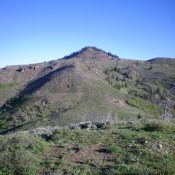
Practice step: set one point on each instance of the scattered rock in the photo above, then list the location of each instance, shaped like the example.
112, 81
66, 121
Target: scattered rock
32, 67
73, 127
99, 124
93, 127
142, 141
172, 86
43, 102
44, 131
50, 67
85, 125
159, 146
20, 69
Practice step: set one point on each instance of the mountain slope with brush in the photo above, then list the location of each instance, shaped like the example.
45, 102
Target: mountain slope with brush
90, 84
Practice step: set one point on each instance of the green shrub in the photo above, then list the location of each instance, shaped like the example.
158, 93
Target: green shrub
127, 169
20, 161
13, 104
112, 149
3, 124
121, 169
21, 154
158, 126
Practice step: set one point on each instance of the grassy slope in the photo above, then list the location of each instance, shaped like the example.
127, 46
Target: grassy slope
145, 147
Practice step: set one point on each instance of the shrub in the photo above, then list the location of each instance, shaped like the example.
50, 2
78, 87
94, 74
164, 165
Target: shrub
158, 126
20, 161
21, 154
112, 148
139, 116
145, 105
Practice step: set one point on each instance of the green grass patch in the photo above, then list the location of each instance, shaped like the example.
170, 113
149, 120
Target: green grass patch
148, 107
7, 86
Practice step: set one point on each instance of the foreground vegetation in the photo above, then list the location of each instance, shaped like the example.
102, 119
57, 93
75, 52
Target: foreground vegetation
143, 147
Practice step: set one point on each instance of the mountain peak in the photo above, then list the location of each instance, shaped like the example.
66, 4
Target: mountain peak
90, 49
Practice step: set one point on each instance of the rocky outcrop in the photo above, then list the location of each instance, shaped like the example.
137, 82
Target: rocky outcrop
20, 69
88, 125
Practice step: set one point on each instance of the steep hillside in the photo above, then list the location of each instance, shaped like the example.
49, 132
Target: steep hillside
90, 84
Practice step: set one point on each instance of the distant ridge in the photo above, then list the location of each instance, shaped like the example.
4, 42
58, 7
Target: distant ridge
160, 59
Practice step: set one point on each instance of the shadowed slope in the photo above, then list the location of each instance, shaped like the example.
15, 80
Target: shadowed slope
38, 83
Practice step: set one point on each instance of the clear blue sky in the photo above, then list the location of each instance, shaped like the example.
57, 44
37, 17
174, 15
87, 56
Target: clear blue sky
40, 30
